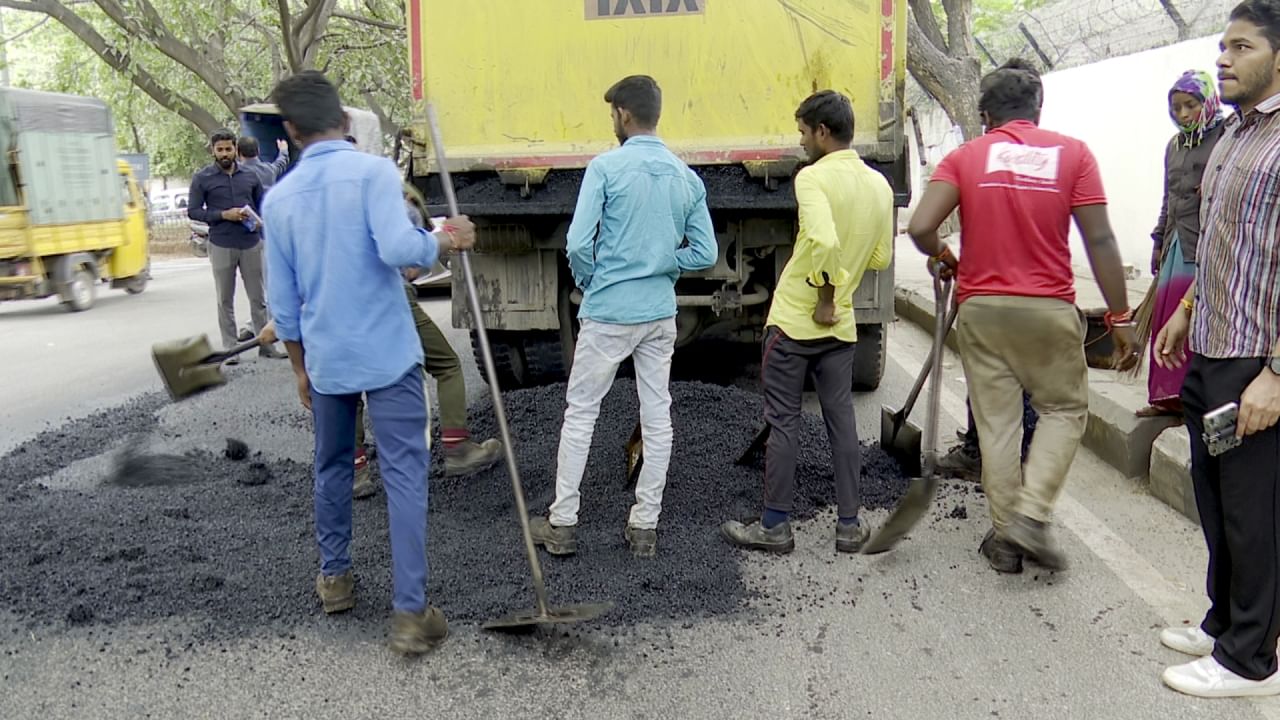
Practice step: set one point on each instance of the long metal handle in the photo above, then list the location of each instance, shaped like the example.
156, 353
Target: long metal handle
927, 370
942, 290
491, 371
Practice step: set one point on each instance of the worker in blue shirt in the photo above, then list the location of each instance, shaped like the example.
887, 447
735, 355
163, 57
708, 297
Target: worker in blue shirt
641, 220
339, 235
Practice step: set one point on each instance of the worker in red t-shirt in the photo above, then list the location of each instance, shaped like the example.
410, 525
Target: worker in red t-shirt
1018, 188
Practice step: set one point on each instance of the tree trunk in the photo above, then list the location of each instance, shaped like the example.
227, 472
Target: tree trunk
952, 81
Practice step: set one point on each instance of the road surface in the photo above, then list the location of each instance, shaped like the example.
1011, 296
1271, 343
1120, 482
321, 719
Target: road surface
927, 631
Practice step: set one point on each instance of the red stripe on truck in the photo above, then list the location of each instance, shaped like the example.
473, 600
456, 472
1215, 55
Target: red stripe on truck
888, 23
415, 47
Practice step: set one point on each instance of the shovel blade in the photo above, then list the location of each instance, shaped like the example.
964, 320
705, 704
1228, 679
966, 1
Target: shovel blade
910, 509
527, 619
635, 456
757, 446
181, 367
902, 439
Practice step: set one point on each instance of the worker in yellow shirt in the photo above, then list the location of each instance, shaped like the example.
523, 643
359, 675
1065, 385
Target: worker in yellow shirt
846, 226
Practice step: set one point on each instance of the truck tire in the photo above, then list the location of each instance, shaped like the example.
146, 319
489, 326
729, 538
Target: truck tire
868, 361
136, 284
80, 290
544, 358
508, 360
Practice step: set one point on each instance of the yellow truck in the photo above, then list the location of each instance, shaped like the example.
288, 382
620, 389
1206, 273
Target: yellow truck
518, 88
71, 214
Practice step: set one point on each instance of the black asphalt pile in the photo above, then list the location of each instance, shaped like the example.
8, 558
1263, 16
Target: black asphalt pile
229, 546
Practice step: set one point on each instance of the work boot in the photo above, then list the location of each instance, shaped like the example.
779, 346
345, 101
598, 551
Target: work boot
468, 457
271, 353
1032, 538
777, 539
364, 486
557, 540
337, 592
416, 633
1002, 556
851, 538
644, 542
961, 461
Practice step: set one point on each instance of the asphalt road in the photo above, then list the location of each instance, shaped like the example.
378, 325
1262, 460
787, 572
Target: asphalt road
924, 632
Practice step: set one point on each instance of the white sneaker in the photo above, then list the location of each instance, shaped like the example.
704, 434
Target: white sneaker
1190, 640
1207, 678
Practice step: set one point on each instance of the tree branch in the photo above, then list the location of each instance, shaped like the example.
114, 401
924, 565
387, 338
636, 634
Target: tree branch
388, 126
950, 80
927, 23
120, 61
368, 21
155, 30
959, 27
1183, 30
290, 44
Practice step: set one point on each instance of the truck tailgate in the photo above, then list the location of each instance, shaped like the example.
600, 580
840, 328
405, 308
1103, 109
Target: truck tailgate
521, 84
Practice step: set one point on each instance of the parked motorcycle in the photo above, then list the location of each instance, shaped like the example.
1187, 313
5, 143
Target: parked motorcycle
199, 239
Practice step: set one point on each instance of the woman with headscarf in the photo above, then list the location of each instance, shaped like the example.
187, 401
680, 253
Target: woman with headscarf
1197, 113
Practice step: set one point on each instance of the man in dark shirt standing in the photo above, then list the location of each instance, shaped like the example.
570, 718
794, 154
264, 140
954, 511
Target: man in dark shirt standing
221, 196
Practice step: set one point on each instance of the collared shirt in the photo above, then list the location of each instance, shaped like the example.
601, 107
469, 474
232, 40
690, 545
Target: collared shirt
846, 227
1237, 310
339, 234
267, 173
641, 220
214, 190
1018, 186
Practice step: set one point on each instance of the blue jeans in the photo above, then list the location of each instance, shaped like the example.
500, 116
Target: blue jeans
399, 415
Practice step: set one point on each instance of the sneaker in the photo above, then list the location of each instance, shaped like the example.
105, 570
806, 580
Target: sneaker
337, 592
961, 461
851, 538
1207, 678
467, 457
644, 541
271, 353
557, 540
777, 539
1032, 538
416, 633
1190, 640
364, 486
246, 334
1002, 556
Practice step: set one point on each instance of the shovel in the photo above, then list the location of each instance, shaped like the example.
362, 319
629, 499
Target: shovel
898, 436
542, 613
921, 489
190, 365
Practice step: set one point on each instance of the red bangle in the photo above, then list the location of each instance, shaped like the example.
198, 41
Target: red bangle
1124, 319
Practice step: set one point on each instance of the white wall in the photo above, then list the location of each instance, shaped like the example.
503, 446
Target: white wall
1120, 108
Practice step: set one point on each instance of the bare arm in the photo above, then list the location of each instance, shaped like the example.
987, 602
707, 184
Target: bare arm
940, 200
1104, 255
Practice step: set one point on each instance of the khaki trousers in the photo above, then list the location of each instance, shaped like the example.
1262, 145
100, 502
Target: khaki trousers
1013, 344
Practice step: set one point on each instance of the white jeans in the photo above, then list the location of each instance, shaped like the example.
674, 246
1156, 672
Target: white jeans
601, 349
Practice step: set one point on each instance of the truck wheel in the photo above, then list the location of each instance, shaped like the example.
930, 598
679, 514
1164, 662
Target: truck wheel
508, 360
544, 358
136, 284
868, 361
80, 291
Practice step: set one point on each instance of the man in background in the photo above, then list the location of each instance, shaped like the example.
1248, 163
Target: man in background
267, 173
222, 196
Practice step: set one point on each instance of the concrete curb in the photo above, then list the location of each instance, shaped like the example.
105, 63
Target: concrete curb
1152, 450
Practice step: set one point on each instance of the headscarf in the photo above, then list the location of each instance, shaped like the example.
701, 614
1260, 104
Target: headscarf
1201, 86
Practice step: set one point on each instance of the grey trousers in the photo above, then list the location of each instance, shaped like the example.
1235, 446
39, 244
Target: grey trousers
784, 366
225, 262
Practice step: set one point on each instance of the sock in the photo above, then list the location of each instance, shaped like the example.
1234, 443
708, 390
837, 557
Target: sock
847, 521
454, 437
772, 518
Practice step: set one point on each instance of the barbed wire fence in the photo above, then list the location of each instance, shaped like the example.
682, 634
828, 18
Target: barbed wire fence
1070, 33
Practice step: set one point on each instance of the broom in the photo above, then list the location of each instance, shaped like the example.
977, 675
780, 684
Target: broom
1144, 318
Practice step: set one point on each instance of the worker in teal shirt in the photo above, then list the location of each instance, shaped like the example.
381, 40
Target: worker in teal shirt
641, 220
339, 234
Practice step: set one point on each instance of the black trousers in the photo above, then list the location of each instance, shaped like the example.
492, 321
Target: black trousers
1029, 418
784, 366
1238, 496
